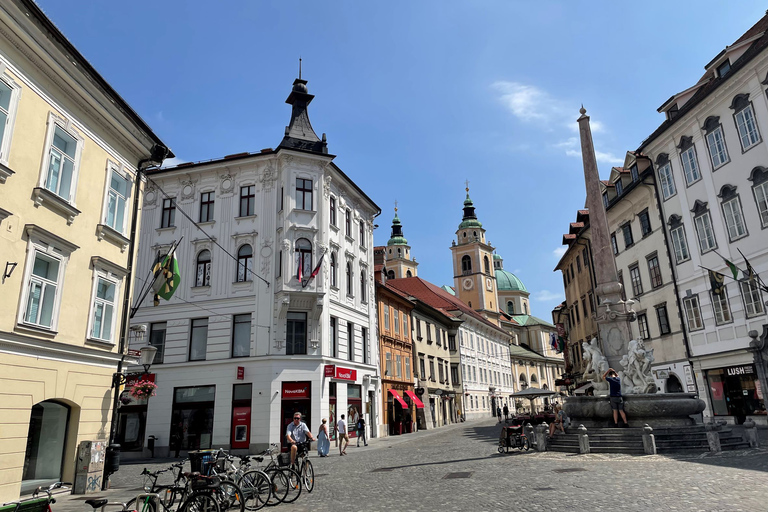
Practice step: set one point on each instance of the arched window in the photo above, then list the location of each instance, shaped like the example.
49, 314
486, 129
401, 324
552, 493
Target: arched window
244, 263
487, 265
408, 274
349, 278
47, 437
534, 380
510, 308
362, 286
466, 264
334, 270
203, 275
544, 386
523, 381
390, 274
303, 258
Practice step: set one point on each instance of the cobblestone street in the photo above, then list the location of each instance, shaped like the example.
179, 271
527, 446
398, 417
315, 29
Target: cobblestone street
458, 468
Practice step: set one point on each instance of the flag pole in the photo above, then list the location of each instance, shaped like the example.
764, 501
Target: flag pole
753, 272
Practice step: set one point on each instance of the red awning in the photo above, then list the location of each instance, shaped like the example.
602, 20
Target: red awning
419, 403
399, 398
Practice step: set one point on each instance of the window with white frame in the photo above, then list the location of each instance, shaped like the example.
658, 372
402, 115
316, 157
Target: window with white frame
117, 199
704, 229
679, 241
688, 160
666, 180
759, 178
642, 325
203, 274
103, 309
693, 313
734, 219
9, 100
746, 124
721, 307
718, 153
753, 300
43, 288
62, 157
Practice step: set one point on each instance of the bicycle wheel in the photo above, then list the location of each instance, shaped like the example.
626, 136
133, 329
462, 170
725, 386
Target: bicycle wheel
308, 475
256, 489
278, 485
230, 497
145, 506
526, 444
200, 501
294, 485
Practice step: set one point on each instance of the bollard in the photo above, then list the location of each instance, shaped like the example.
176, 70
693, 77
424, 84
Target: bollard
583, 439
649, 440
750, 433
542, 431
528, 429
713, 437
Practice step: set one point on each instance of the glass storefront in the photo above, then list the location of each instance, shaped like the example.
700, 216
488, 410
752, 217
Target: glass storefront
45, 444
192, 416
735, 391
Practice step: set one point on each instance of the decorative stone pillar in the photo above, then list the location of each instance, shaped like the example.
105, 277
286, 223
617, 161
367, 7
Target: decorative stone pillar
649, 440
750, 433
528, 430
583, 439
542, 431
713, 437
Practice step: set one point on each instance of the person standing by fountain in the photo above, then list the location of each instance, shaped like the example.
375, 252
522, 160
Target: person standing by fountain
617, 401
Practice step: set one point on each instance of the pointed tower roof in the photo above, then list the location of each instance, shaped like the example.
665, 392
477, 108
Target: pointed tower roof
299, 134
470, 219
397, 237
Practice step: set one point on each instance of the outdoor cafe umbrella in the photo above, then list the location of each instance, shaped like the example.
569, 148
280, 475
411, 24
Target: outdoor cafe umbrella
532, 394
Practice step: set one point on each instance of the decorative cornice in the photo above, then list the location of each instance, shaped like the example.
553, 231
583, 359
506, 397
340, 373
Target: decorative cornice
5, 173
35, 231
46, 197
103, 231
105, 264
14, 343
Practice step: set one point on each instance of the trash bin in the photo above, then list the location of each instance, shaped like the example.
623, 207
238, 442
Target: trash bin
202, 461
151, 445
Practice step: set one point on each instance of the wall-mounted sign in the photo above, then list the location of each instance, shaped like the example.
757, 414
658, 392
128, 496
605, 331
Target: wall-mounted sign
746, 369
338, 372
330, 370
240, 373
295, 390
134, 353
662, 374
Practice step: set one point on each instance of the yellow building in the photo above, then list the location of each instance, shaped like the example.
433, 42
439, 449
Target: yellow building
70, 147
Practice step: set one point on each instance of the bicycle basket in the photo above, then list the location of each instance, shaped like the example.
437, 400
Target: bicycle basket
284, 459
201, 484
198, 461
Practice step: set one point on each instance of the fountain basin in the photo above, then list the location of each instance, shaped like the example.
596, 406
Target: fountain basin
657, 410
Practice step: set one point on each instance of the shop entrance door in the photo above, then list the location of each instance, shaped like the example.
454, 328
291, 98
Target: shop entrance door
296, 397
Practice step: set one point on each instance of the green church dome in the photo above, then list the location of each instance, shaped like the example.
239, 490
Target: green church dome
508, 282
397, 237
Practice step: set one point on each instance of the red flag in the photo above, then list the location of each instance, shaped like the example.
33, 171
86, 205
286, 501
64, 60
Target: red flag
314, 272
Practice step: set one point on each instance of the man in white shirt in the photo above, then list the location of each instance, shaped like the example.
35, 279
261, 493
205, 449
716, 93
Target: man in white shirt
341, 427
297, 432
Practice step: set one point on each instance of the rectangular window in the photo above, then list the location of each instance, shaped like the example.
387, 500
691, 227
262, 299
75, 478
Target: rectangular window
364, 339
721, 307
397, 321
296, 334
42, 289
303, 194
348, 223
680, 244
351, 341
440, 372
614, 245
576, 310
761, 198
753, 302
9, 98
63, 156
418, 329
157, 340
334, 338
386, 317
408, 368
578, 264
661, 314
717, 150
619, 187
747, 126
198, 339
247, 200
362, 233
206, 207
388, 364
117, 197
429, 333
667, 181
654, 270
584, 307
705, 232
103, 310
634, 173
241, 335
693, 313
734, 220
605, 199
690, 166
432, 369
398, 366
405, 325
629, 240
333, 211
637, 283
585, 257
642, 324
455, 373
645, 223
168, 219
281, 199
422, 370
452, 341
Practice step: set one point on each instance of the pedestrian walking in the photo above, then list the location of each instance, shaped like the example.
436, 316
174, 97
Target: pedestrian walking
506, 412
617, 401
361, 430
323, 439
341, 428
498, 413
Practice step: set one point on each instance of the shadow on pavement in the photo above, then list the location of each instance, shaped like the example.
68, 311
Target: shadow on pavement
489, 433
751, 460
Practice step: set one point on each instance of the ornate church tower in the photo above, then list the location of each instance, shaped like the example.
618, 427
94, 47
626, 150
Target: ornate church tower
398, 254
473, 275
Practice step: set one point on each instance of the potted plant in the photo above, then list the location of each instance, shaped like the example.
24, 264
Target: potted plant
143, 389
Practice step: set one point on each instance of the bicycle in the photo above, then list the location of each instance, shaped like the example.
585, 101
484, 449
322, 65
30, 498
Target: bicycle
34, 504
303, 465
170, 493
286, 482
255, 484
195, 495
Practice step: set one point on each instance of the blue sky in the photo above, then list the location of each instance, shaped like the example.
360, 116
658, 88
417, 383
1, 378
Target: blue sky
416, 97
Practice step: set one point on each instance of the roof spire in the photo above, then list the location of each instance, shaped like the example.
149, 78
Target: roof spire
397, 237
299, 133
299, 67
469, 219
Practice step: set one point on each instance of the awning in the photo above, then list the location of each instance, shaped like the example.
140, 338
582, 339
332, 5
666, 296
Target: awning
419, 403
399, 398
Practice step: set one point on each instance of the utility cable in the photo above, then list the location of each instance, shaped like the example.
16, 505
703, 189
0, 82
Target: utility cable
209, 237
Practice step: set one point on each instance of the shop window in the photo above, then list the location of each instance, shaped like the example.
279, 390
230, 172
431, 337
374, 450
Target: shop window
192, 416
733, 392
46, 442
296, 334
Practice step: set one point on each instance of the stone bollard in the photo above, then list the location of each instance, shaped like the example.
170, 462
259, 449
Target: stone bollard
713, 437
649, 440
750, 433
583, 439
528, 430
542, 431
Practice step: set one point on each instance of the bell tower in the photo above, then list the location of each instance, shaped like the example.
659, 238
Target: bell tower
473, 276
398, 253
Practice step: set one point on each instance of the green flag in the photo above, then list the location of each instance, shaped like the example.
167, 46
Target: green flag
716, 280
167, 278
734, 269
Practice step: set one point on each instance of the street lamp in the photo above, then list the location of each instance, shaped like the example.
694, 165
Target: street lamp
147, 357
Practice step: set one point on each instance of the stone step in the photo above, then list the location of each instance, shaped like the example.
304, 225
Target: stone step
736, 446
617, 449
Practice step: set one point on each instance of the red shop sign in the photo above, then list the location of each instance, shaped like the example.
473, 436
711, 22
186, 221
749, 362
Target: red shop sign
345, 373
330, 370
240, 372
132, 378
295, 389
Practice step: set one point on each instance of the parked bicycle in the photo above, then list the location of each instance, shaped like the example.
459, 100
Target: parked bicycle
286, 482
254, 484
35, 503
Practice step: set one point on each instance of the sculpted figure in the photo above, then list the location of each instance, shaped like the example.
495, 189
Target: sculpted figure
596, 365
637, 367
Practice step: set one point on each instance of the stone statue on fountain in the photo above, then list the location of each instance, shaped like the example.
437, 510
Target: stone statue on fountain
636, 377
596, 366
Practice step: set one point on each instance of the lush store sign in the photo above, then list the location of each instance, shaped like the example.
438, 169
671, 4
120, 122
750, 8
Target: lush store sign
740, 370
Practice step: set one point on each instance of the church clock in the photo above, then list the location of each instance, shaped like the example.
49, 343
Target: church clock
467, 283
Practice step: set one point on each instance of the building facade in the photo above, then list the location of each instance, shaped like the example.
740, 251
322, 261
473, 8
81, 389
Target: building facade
276, 308
70, 151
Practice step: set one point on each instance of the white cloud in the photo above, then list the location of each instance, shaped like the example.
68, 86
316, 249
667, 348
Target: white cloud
547, 296
558, 252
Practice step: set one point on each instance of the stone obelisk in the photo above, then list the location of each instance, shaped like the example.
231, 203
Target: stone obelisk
613, 314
